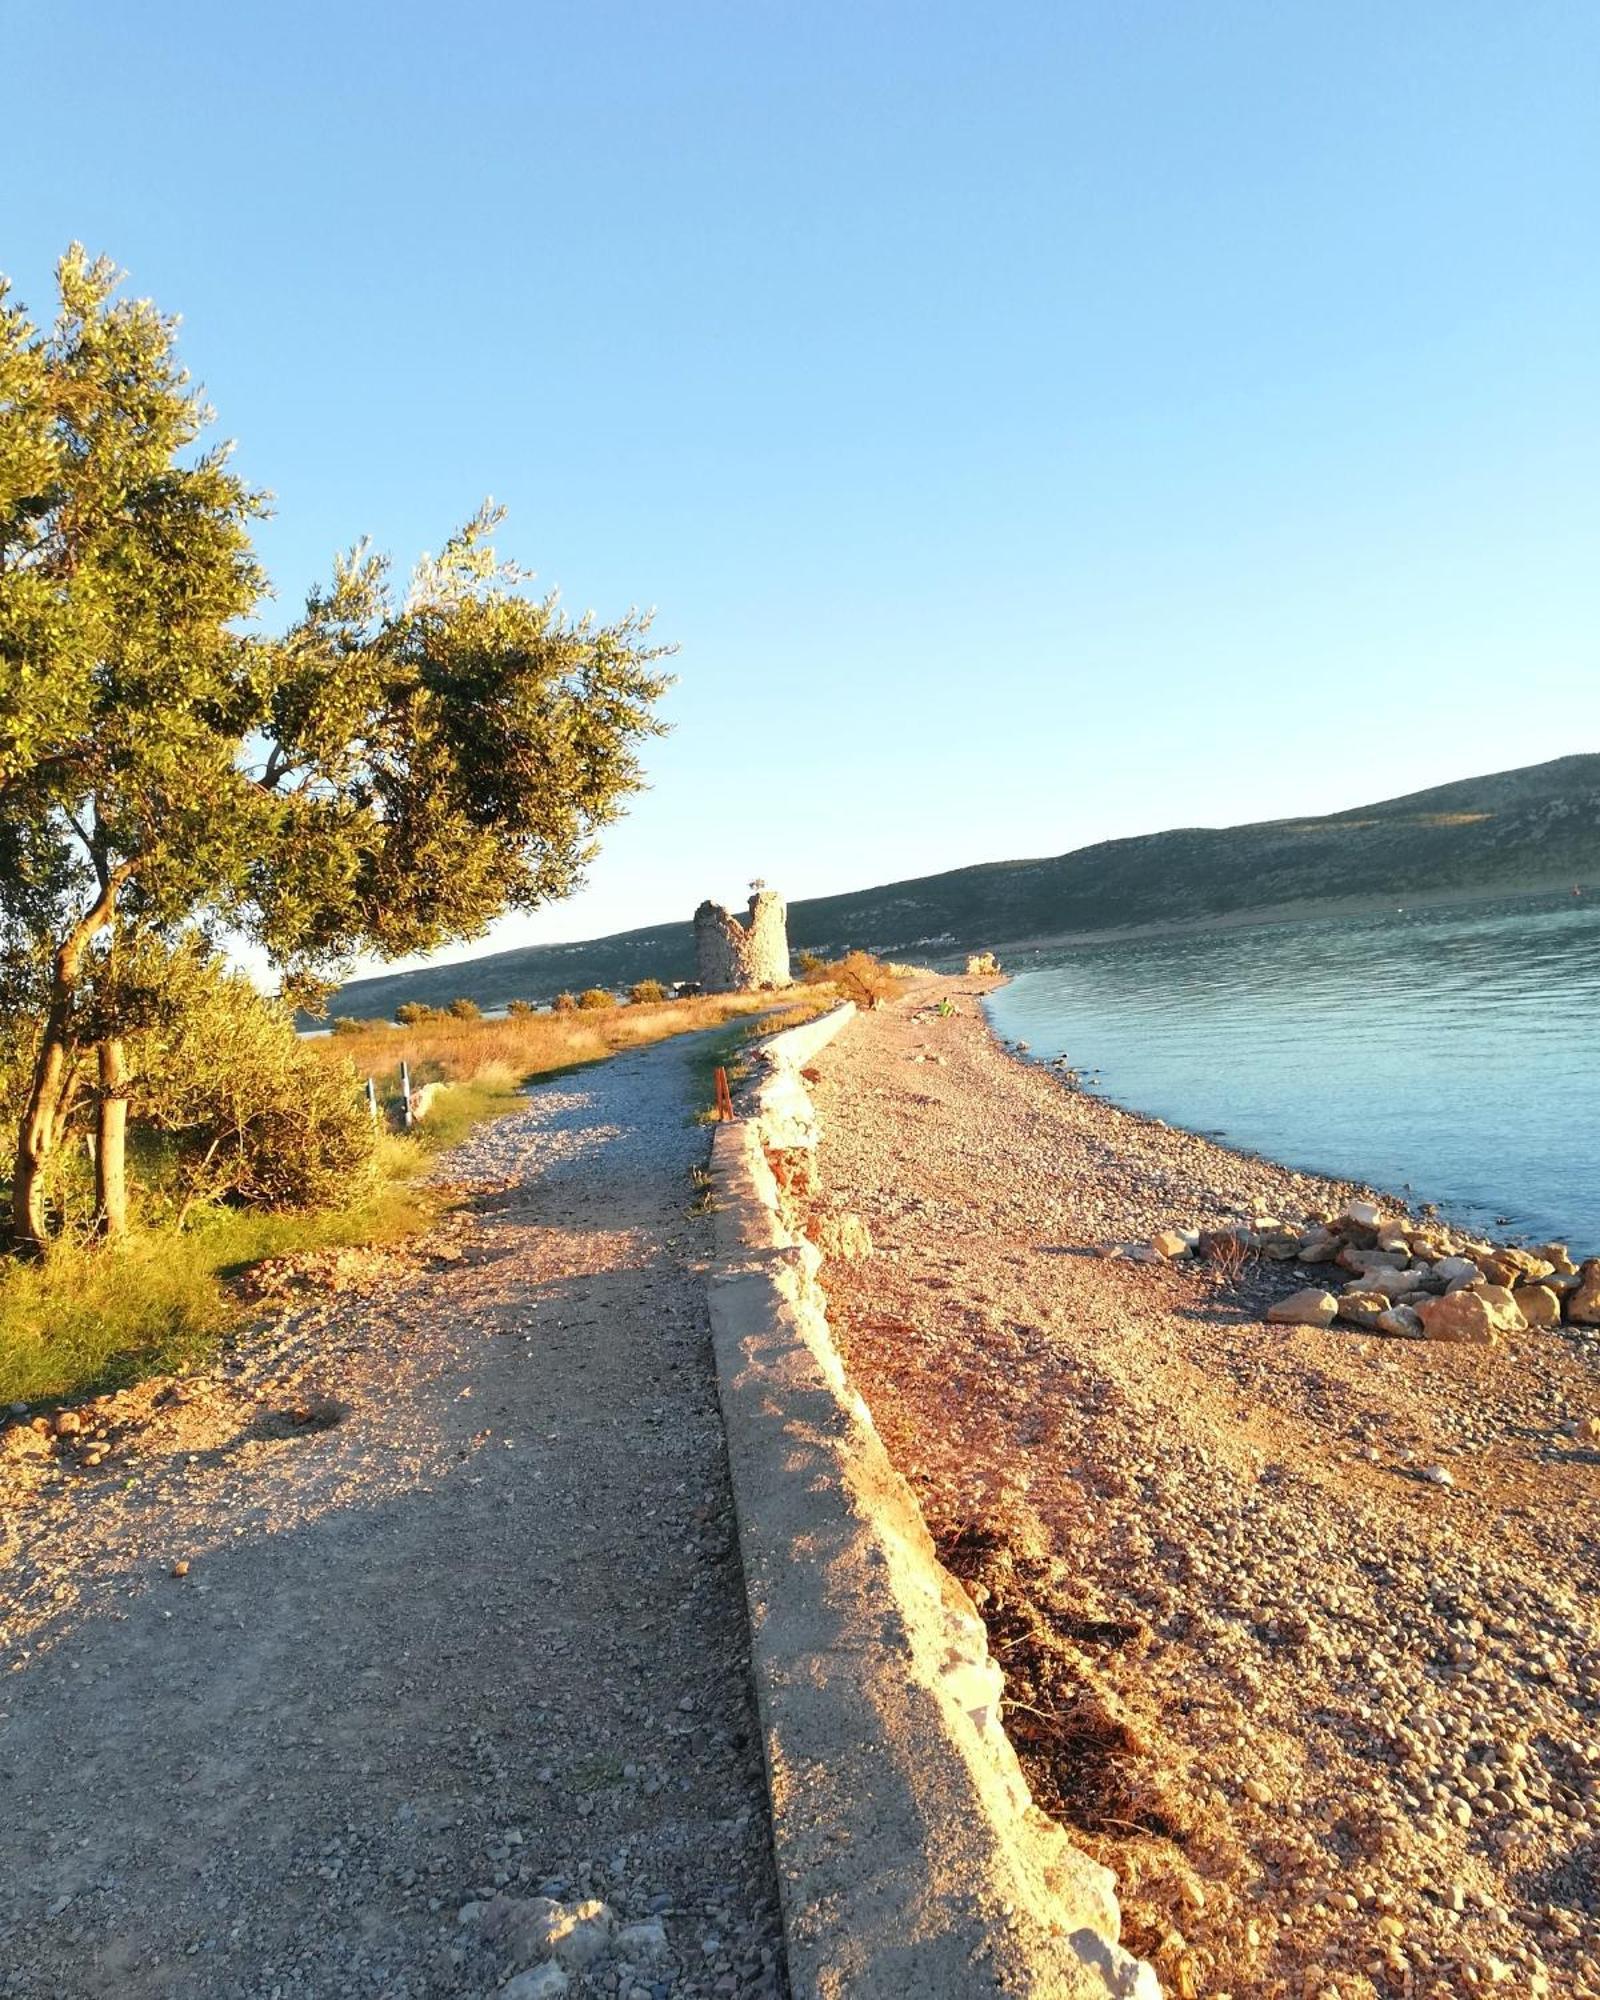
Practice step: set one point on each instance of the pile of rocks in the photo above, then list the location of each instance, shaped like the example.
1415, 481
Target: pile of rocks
1414, 1280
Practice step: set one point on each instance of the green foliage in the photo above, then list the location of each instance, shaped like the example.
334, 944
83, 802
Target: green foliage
463, 1009
347, 1024
647, 993
87, 1320
811, 964
389, 776
249, 1113
410, 1013
595, 998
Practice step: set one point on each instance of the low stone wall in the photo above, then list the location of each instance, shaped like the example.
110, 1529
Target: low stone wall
911, 1857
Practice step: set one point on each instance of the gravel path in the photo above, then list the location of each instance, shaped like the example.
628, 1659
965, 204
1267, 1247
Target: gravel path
1337, 1727
425, 1607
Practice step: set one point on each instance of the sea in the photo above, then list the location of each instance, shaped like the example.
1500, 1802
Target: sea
1448, 1054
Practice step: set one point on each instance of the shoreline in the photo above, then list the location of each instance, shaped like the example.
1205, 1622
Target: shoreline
1485, 1215
1324, 1605
1339, 1187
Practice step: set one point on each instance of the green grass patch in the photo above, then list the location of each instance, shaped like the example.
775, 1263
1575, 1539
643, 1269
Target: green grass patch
89, 1320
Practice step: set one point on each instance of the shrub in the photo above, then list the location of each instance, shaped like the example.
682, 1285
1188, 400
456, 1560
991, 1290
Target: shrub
412, 1013
594, 998
248, 1112
647, 993
812, 965
858, 976
347, 1024
564, 1003
464, 1009
519, 1010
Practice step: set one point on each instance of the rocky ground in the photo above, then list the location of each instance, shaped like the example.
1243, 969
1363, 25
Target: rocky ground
405, 1655
1332, 1719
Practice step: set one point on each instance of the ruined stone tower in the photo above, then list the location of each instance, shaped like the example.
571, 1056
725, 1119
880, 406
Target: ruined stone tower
734, 957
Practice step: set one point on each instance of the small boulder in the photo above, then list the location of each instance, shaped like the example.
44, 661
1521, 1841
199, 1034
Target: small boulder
1583, 1303
1353, 1257
1171, 1244
1515, 1267
1539, 1305
1503, 1308
1462, 1316
1312, 1307
1280, 1243
1400, 1322
1361, 1215
1453, 1268
1557, 1256
644, 1940
576, 1934
1392, 1284
1363, 1309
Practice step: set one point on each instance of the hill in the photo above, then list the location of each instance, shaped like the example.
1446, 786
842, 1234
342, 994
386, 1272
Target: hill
1513, 831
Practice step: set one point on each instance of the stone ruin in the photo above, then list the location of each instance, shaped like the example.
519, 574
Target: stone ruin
735, 957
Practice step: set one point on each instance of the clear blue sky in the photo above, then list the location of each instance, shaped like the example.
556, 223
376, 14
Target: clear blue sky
1036, 423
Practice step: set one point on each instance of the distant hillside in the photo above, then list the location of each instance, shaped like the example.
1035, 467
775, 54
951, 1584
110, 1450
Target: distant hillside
1537, 828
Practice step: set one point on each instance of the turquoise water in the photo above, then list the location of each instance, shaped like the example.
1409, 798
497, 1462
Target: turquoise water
1452, 1055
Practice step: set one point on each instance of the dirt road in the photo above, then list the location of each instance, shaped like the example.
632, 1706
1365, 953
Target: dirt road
460, 1625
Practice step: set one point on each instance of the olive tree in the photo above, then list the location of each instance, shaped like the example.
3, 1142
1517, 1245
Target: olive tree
392, 773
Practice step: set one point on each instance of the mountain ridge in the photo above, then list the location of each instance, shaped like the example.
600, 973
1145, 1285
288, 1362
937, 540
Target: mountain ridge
1532, 829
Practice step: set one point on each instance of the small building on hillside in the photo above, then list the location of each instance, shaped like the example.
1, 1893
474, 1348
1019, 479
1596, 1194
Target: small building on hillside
735, 957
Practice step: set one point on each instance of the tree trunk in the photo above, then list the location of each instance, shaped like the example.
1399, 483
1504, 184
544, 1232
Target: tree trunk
36, 1140
111, 1142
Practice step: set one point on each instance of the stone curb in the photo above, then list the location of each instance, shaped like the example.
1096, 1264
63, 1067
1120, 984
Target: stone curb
911, 1858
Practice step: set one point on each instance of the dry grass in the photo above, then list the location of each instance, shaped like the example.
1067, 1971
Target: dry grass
530, 1045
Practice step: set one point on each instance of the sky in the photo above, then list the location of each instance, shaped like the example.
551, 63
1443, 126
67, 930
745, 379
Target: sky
1033, 424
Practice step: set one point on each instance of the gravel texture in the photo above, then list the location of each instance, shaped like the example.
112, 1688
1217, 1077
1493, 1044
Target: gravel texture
406, 1655
1332, 1719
